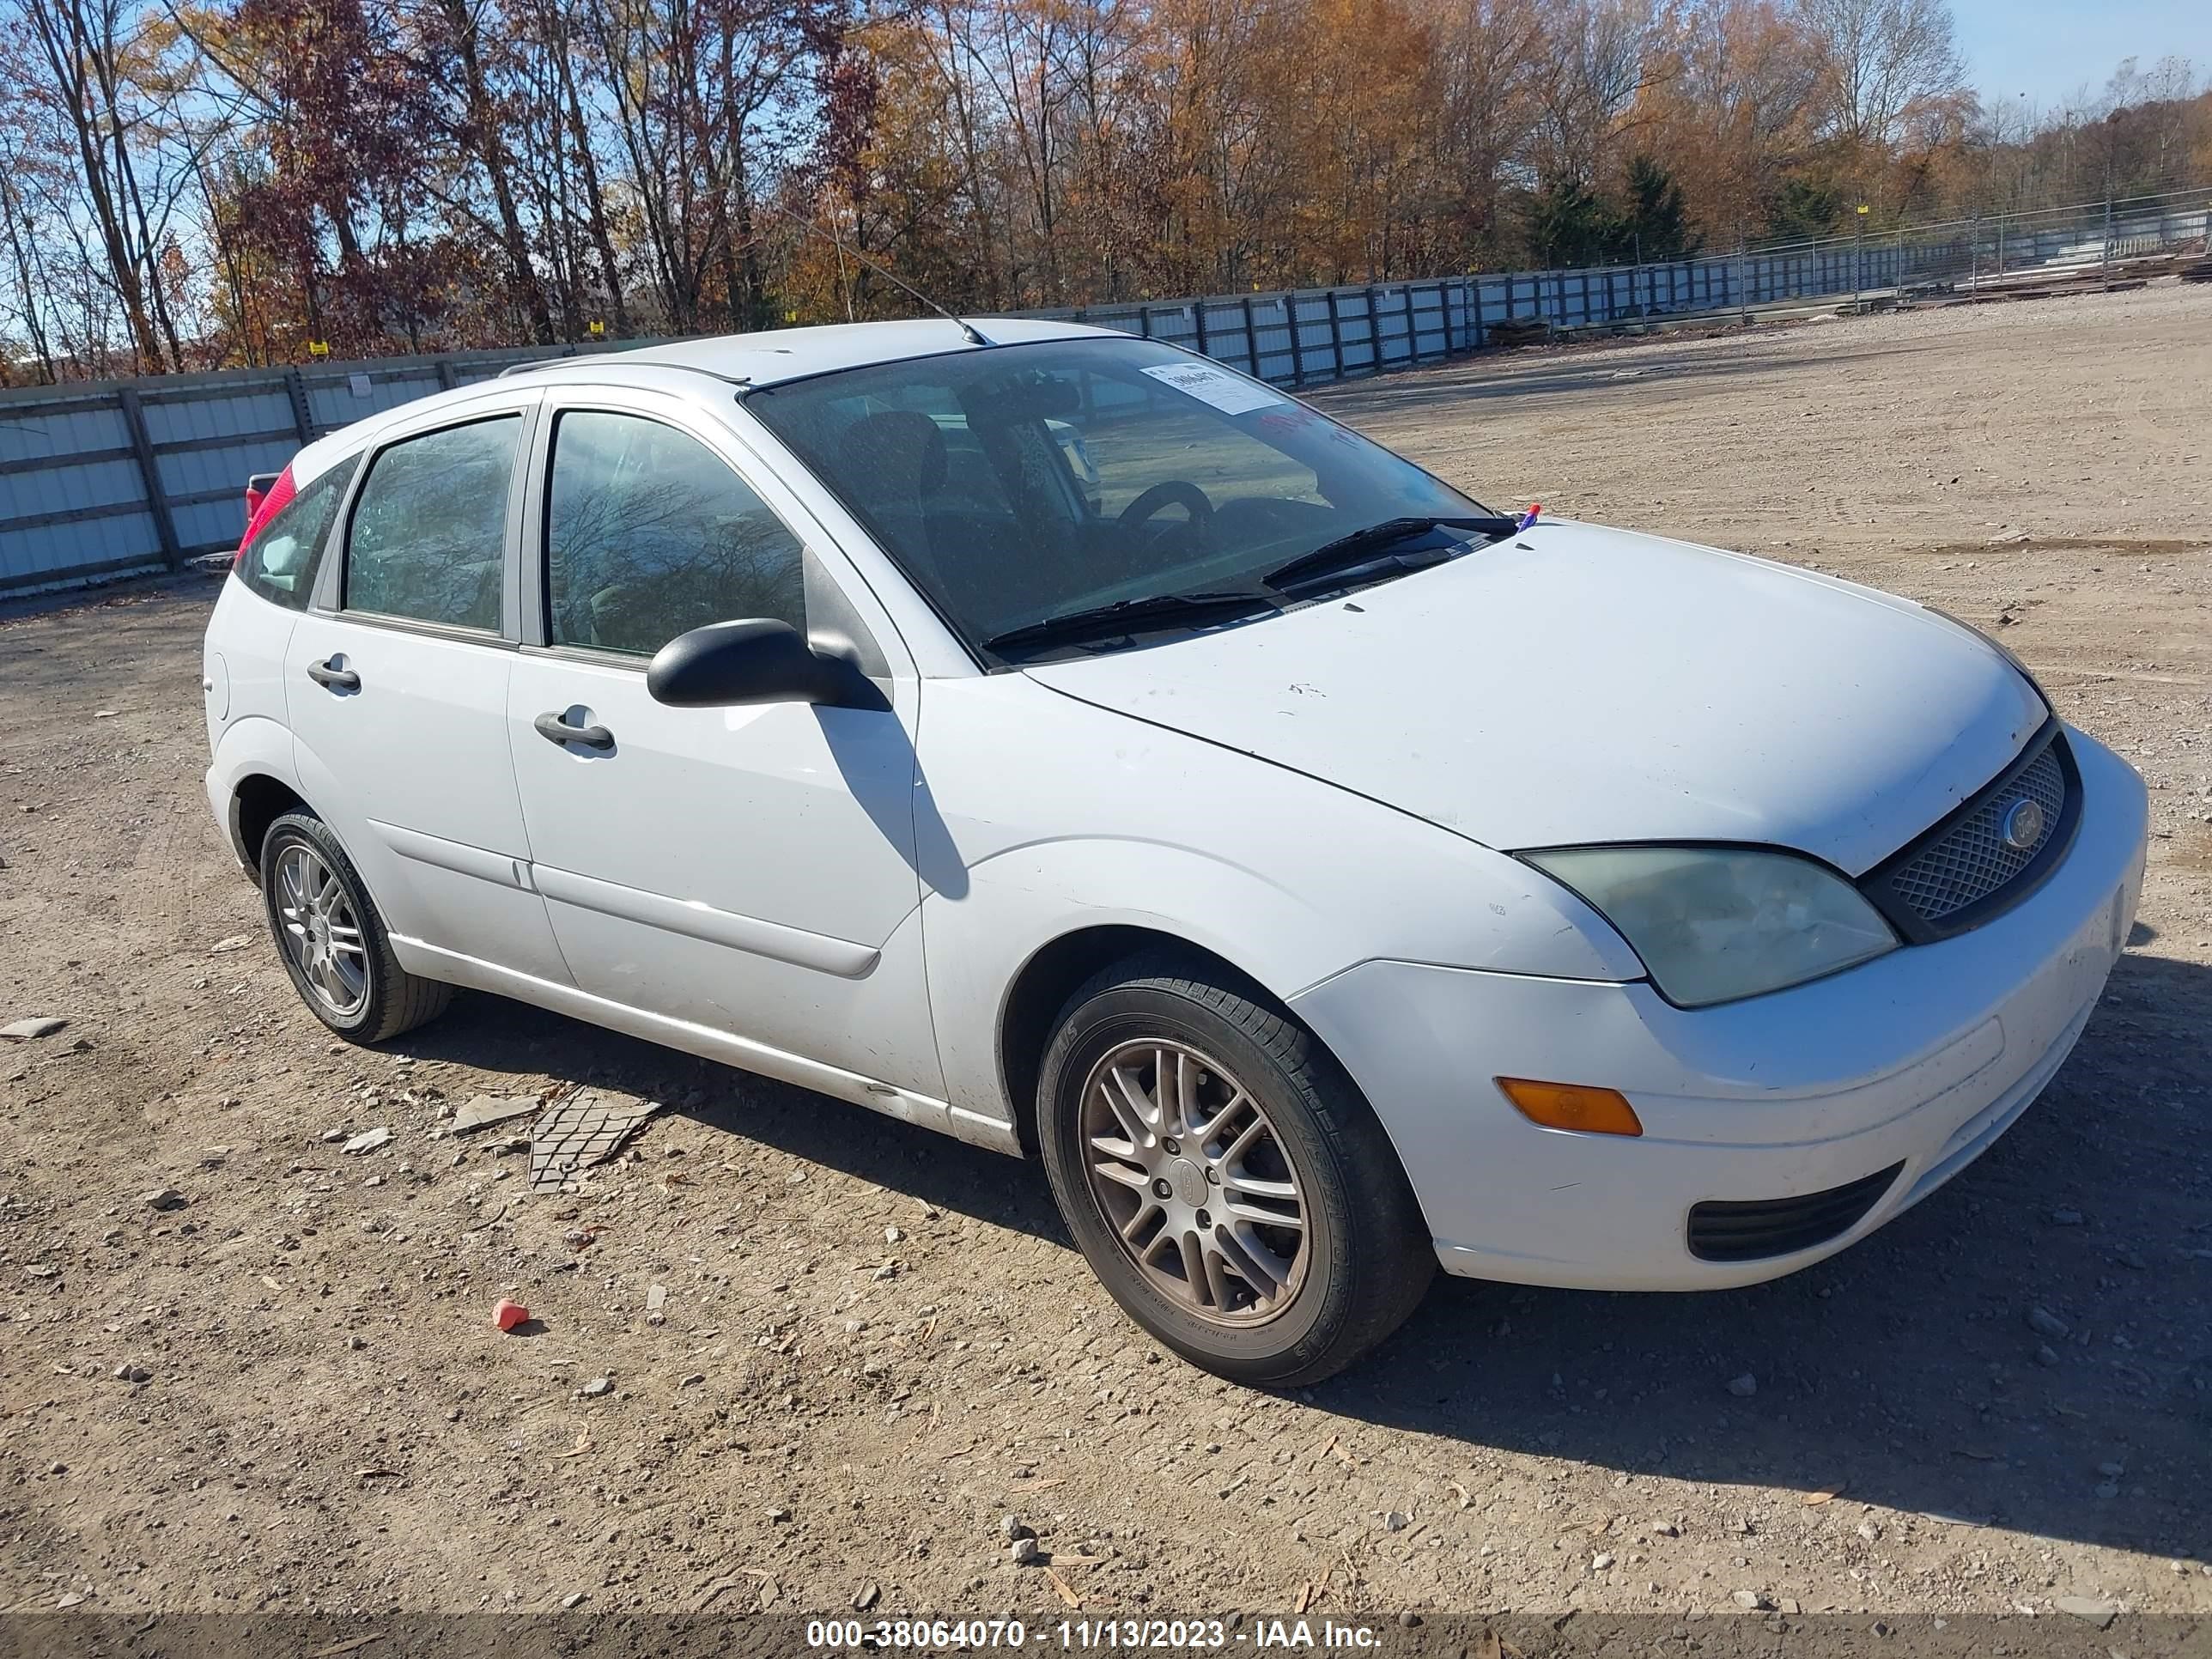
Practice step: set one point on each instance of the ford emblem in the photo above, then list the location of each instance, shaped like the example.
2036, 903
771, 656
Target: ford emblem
2022, 825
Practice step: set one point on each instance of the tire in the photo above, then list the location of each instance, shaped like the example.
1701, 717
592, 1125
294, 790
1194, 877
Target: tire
1265, 1317
387, 1000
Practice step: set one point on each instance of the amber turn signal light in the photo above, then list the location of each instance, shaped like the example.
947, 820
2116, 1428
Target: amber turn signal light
1573, 1106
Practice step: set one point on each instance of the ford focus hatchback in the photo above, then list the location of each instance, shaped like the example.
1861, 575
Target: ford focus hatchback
1066, 742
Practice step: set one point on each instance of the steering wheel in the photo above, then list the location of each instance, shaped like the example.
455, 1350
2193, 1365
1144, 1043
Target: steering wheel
1169, 492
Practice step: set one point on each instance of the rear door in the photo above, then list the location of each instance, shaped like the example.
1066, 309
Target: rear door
748, 870
397, 680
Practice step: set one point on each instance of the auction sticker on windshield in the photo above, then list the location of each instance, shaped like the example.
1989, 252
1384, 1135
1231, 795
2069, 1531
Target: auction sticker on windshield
1230, 393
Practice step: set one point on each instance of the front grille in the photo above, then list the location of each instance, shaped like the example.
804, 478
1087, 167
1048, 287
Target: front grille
1753, 1229
1972, 861
1962, 872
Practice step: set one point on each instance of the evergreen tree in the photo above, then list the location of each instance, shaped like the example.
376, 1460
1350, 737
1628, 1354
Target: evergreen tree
1657, 226
1570, 224
1803, 208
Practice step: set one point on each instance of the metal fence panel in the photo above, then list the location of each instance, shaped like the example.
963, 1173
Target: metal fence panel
132, 475
54, 554
67, 427
215, 523
196, 471
75, 487
246, 411
101, 480
1274, 339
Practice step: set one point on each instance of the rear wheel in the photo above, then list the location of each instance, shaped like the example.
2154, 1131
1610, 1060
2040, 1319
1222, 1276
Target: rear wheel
333, 941
1223, 1176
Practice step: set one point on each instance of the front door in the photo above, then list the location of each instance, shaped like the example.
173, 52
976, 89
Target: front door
396, 681
749, 870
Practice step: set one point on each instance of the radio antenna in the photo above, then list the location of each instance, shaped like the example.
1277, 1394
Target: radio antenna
976, 335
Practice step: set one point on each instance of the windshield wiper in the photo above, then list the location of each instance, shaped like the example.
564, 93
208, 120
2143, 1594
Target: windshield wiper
1099, 621
1363, 546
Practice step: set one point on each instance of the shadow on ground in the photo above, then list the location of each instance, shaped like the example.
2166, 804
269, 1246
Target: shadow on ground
1901, 1373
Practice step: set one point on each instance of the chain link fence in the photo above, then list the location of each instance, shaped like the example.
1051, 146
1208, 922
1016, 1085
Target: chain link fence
1311, 337
103, 480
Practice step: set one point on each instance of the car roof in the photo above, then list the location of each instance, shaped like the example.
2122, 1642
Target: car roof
761, 359
789, 354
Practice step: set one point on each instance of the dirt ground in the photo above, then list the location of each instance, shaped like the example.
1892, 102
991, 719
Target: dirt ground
329, 1420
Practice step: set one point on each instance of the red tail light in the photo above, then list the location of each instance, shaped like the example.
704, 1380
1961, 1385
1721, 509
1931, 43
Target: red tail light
265, 498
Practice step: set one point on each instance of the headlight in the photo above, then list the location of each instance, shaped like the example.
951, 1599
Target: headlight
1716, 923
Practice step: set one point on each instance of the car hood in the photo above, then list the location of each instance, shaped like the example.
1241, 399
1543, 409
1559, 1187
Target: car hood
1578, 685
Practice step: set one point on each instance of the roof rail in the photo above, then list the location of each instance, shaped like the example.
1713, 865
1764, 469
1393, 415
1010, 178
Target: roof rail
528, 364
743, 382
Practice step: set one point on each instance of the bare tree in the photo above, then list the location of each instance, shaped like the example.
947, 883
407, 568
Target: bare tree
481, 133
83, 45
1876, 60
1596, 57
1488, 62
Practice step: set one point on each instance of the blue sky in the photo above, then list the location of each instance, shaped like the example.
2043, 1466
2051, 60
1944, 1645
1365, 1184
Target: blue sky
2050, 49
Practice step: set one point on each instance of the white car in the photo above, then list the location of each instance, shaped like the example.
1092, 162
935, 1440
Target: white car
1326, 876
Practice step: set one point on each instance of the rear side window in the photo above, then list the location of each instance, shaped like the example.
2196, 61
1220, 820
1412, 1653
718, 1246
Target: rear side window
280, 564
648, 534
428, 536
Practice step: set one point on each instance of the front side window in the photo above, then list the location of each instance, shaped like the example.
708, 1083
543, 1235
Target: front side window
429, 537
1104, 480
280, 563
649, 534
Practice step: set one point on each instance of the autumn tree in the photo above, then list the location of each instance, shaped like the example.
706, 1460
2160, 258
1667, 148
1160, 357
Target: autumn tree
188, 183
1878, 63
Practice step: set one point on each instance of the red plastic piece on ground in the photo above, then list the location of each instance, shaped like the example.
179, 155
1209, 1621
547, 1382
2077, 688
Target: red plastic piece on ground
507, 1314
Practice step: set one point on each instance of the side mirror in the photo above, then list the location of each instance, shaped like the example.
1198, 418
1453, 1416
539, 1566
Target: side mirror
725, 665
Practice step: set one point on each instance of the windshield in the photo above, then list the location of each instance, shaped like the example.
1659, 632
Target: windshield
1020, 485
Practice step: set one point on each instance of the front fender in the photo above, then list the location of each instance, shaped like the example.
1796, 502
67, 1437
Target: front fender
1289, 878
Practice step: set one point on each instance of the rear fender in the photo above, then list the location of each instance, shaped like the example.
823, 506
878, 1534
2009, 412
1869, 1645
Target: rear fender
248, 748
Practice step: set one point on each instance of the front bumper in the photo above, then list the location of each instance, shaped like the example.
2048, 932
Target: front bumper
1920, 1060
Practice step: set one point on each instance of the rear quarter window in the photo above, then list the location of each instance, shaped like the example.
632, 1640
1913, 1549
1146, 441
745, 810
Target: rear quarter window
281, 562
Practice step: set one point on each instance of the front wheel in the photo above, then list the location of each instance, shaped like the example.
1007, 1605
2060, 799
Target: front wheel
1223, 1176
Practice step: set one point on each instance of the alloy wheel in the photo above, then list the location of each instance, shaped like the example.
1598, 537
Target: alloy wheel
321, 933
1195, 1180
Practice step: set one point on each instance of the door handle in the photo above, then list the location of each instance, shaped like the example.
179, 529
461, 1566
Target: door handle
339, 679
554, 729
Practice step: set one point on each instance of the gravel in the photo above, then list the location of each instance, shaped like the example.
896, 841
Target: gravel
1895, 1375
